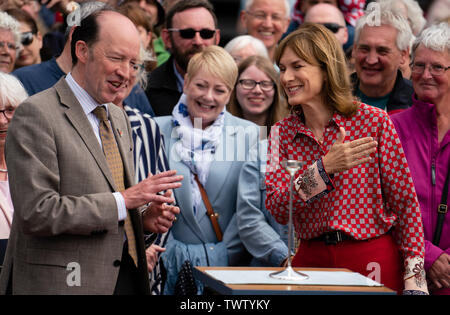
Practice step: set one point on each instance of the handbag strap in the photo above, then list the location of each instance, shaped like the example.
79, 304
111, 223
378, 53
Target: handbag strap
442, 211
212, 216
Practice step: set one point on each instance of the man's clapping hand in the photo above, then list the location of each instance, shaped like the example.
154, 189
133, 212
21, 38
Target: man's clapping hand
159, 216
147, 190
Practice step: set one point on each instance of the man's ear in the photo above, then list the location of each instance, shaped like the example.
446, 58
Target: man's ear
39, 38
354, 50
345, 36
81, 51
165, 36
286, 25
243, 21
404, 57
217, 39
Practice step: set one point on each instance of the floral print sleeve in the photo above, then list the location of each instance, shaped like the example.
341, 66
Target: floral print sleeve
310, 183
313, 183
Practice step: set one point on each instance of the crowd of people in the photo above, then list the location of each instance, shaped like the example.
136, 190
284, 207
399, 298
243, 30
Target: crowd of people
134, 146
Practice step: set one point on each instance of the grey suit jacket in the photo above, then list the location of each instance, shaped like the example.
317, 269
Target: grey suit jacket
61, 188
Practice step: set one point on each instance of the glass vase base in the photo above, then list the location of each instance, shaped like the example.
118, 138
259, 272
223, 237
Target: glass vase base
289, 274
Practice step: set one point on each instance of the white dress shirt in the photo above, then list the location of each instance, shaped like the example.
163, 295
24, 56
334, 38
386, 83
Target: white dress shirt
89, 104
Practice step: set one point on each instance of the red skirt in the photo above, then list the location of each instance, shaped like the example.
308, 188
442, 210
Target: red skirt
378, 258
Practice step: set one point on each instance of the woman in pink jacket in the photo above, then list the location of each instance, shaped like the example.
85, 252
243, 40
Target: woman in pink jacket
424, 131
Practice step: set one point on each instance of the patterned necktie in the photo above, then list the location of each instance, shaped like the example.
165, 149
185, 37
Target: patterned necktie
115, 165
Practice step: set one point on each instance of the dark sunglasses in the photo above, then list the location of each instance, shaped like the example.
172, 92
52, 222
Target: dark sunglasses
334, 27
26, 38
189, 33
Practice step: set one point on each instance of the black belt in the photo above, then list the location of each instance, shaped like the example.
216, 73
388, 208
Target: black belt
332, 238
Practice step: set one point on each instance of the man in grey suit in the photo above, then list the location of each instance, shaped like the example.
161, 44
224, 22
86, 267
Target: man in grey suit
68, 235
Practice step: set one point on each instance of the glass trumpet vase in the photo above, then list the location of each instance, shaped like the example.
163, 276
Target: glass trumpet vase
289, 274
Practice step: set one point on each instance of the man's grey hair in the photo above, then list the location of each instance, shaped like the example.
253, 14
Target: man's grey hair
413, 11
242, 41
436, 37
249, 3
12, 91
7, 22
373, 16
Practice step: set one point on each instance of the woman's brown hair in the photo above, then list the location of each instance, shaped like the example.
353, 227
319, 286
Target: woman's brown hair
318, 46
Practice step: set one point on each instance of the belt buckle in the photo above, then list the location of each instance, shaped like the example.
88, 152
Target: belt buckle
339, 236
329, 240
332, 238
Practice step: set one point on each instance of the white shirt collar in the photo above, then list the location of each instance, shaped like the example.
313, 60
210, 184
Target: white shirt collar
87, 102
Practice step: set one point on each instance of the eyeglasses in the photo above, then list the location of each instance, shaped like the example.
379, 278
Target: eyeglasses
26, 38
8, 113
262, 16
134, 66
334, 27
436, 69
189, 33
7, 45
248, 84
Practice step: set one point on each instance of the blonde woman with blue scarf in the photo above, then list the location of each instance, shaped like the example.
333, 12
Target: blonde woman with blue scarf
206, 143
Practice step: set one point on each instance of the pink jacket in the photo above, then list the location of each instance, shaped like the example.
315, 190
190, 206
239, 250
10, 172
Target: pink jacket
428, 162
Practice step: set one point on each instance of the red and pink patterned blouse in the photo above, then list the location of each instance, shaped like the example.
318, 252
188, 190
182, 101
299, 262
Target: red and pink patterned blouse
364, 202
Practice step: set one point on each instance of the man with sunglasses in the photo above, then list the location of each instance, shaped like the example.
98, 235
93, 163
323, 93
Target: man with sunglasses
191, 25
331, 17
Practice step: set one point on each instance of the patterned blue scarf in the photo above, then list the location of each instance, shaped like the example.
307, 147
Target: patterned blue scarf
196, 147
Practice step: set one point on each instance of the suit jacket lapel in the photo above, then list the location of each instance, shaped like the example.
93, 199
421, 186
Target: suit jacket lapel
79, 121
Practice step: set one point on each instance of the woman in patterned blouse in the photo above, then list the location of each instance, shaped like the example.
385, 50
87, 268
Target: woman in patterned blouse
355, 205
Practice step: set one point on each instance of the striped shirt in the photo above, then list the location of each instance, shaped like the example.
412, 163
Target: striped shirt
149, 157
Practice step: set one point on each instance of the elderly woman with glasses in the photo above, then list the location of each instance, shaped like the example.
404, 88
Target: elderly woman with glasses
208, 146
355, 205
9, 42
12, 94
424, 131
30, 37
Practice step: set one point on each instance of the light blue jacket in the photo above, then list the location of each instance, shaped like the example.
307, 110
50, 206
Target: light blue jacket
263, 237
192, 236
